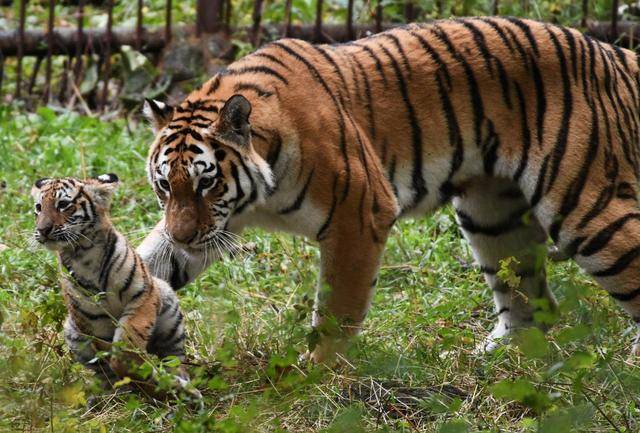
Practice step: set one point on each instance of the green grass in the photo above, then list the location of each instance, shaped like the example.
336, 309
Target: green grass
411, 370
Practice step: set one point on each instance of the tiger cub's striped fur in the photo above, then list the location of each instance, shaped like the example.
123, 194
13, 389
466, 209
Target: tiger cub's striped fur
109, 293
530, 129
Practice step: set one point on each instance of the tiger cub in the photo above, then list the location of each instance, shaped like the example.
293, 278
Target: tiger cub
108, 291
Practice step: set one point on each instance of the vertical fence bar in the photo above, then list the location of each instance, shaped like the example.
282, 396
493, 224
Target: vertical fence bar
440, 4
408, 11
208, 15
585, 13
350, 33
34, 75
23, 7
379, 16
495, 7
167, 23
318, 29
227, 16
1, 73
107, 55
257, 18
64, 78
614, 19
139, 26
47, 82
287, 19
77, 68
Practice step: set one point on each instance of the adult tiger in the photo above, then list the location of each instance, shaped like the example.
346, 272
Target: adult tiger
531, 129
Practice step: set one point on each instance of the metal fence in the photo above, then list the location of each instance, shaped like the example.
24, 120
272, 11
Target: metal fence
211, 16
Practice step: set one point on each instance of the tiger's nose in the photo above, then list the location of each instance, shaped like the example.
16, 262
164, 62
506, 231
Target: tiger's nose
44, 231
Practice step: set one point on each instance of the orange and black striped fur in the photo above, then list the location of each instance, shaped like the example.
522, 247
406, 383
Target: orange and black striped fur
108, 291
530, 129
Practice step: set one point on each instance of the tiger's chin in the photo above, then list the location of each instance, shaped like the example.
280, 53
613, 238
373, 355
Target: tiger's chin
53, 245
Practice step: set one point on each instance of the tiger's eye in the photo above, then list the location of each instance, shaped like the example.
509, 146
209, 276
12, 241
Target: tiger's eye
164, 184
206, 182
63, 204
38, 207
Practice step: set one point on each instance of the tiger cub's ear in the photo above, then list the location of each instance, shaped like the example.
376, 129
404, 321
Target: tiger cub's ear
37, 185
158, 113
233, 125
101, 188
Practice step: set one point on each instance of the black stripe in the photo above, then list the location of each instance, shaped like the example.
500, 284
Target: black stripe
476, 99
129, 280
574, 191
478, 37
236, 179
523, 53
602, 238
263, 93
603, 200
572, 51
88, 315
417, 181
626, 297
256, 70
214, 85
300, 198
274, 150
188, 119
367, 92
272, 58
527, 32
619, 265
512, 222
499, 31
481, 43
455, 136
321, 232
339, 109
567, 102
107, 263
537, 194
526, 134
335, 66
398, 45
442, 66
171, 335
138, 294
376, 59
541, 99
490, 149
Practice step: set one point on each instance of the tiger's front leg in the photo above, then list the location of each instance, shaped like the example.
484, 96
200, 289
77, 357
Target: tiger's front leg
170, 263
350, 259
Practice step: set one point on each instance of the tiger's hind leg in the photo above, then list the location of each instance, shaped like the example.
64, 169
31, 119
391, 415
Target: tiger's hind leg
607, 246
496, 220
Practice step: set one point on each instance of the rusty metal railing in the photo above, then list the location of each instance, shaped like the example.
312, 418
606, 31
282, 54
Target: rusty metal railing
212, 16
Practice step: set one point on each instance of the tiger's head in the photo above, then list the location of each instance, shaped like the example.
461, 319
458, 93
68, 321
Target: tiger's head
70, 210
203, 167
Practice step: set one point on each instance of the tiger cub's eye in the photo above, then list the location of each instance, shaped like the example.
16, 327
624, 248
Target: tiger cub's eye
38, 207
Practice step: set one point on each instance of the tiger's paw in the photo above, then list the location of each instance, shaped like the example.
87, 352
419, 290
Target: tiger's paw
328, 351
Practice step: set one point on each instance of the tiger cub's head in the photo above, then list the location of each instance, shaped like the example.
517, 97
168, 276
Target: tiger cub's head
70, 210
203, 167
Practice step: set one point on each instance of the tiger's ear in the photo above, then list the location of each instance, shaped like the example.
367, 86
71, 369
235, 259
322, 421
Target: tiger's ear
233, 126
37, 186
101, 188
158, 113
